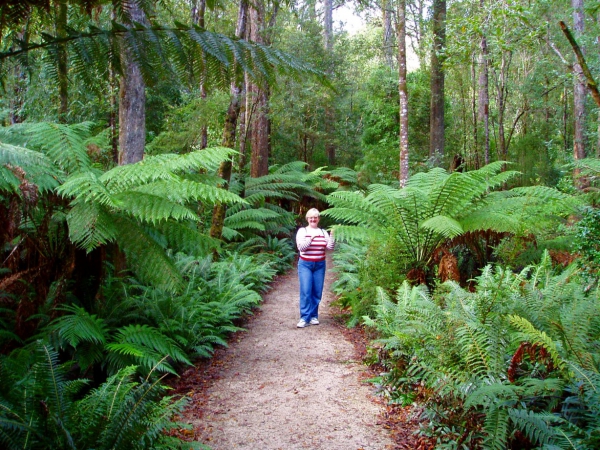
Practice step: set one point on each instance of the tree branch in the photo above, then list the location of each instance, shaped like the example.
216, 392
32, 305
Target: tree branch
589, 79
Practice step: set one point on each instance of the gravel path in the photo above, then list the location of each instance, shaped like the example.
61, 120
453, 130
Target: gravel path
280, 387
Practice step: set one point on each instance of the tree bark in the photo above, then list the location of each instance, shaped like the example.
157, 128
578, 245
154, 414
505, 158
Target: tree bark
112, 98
328, 24
259, 127
474, 112
501, 89
436, 122
402, 91
229, 131
388, 33
484, 95
198, 17
132, 102
329, 110
579, 89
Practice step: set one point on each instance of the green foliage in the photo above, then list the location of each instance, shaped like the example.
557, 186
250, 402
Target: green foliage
42, 409
272, 199
435, 207
509, 353
587, 240
379, 102
181, 51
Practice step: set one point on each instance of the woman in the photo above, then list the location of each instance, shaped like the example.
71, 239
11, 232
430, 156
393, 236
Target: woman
312, 242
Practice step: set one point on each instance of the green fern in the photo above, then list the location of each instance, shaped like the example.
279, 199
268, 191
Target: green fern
530, 333
144, 346
435, 207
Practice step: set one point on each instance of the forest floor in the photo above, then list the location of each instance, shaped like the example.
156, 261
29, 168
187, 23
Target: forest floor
281, 387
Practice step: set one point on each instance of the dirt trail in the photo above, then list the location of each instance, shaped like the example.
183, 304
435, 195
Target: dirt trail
280, 387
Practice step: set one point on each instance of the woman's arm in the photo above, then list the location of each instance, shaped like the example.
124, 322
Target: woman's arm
330, 240
303, 240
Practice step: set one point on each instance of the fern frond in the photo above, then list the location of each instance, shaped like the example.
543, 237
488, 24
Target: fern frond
533, 335
536, 426
37, 168
90, 226
146, 256
79, 326
496, 428
64, 144
145, 345
152, 208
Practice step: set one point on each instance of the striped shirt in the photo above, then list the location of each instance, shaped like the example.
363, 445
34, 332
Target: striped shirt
315, 250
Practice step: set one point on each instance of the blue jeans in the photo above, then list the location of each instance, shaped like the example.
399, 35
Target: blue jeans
311, 276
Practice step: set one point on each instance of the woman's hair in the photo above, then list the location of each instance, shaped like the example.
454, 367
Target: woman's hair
313, 211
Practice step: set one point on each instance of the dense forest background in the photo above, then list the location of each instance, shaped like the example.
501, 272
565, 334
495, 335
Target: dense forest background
157, 157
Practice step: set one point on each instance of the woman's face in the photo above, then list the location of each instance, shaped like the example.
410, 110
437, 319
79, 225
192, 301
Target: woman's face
313, 220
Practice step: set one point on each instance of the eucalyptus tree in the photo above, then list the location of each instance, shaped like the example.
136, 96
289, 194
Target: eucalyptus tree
436, 123
483, 111
132, 98
402, 91
579, 88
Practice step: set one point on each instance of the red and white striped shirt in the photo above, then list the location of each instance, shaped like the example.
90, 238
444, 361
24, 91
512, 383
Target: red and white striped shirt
313, 250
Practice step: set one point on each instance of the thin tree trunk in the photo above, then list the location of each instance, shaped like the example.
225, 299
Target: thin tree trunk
388, 33
132, 103
402, 91
484, 95
328, 24
579, 93
598, 129
565, 118
474, 111
112, 98
243, 132
501, 88
436, 122
198, 17
229, 131
579, 89
259, 133
329, 110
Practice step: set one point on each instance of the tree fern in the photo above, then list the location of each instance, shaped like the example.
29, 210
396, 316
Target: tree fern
434, 207
181, 51
36, 167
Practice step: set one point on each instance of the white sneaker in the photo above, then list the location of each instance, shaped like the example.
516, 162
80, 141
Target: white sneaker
314, 321
303, 323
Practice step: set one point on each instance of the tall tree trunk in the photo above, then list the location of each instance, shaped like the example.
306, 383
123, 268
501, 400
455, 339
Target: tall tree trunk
198, 17
402, 91
329, 110
243, 131
474, 112
502, 89
132, 102
598, 130
229, 130
112, 98
259, 127
388, 33
62, 72
579, 89
328, 24
17, 97
484, 95
436, 122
